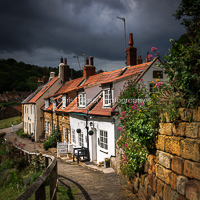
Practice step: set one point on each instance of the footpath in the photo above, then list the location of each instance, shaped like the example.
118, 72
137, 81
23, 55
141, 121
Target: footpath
87, 181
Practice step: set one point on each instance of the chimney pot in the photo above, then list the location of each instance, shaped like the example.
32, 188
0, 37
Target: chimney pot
61, 59
91, 60
130, 41
86, 61
65, 61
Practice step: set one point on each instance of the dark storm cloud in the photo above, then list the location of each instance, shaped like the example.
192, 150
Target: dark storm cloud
85, 26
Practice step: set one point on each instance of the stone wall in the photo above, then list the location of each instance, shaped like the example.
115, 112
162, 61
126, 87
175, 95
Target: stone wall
173, 172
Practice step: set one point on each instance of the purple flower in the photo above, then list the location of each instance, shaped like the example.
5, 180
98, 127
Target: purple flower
153, 49
113, 108
121, 118
157, 53
134, 94
142, 103
119, 128
129, 101
149, 56
126, 146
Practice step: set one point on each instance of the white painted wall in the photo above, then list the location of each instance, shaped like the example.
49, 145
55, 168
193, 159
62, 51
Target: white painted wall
91, 92
98, 124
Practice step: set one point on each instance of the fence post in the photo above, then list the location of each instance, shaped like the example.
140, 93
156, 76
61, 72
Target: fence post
46, 162
40, 193
53, 182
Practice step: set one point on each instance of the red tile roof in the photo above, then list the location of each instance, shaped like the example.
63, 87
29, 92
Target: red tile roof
100, 110
19, 108
43, 90
70, 85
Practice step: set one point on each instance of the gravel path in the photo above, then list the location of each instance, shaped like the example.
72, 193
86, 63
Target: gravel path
88, 183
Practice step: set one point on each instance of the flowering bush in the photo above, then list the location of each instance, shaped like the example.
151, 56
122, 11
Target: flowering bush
139, 118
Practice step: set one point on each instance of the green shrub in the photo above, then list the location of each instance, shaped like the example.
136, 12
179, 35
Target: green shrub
46, 145
21, 133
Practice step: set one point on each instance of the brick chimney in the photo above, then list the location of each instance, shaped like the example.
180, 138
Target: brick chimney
40, 82
139, 60
63, 70
131, 52
89, 70
44, 78
52, 74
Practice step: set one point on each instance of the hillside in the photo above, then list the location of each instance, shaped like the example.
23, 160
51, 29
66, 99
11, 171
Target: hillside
20, 76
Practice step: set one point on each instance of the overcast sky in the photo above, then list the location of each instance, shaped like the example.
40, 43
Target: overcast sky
41, 31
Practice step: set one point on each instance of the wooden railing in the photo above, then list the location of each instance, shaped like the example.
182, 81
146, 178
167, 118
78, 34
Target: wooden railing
38, 187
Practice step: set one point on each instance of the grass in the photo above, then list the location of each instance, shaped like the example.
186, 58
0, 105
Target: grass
5, 123
12, 193
62, 193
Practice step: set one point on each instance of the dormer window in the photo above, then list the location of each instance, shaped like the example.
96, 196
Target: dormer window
106, 97
64, 101
82, 100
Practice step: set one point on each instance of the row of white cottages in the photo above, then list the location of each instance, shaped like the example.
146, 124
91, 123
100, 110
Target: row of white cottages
83, 106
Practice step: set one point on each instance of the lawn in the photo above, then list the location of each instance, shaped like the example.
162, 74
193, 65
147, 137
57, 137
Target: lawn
5, 123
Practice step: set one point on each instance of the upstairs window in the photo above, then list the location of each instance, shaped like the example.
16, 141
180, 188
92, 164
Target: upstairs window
157, 74
107, 97
82, 100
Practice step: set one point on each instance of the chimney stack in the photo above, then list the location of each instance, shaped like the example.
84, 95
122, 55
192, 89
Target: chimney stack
40, 82
52, 74
63, 70
44, 76
89, 70
139, 60
131, 52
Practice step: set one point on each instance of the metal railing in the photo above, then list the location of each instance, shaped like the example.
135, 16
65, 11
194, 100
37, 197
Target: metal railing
38, 187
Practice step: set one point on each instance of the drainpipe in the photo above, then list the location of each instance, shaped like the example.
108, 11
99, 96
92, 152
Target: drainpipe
111, 94
86, 119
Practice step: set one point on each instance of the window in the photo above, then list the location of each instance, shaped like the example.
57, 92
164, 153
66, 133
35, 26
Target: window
104, 139
73, 137
31, 109
82, 100
46, 103
49, 129
157, 74
107, 98
64, 101
80, 139
25, 109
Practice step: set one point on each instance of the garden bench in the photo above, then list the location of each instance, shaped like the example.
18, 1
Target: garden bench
80, 152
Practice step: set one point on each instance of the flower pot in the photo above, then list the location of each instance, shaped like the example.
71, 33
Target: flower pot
78, 130
106, 164
91, 132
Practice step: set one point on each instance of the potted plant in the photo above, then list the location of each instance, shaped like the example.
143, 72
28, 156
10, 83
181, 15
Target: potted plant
91, 132
107, 162
78, 130
69, 155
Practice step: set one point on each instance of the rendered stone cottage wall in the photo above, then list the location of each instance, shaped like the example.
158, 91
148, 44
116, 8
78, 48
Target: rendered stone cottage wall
173, 172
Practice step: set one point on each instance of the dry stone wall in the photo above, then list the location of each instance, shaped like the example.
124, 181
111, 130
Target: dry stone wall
173, 172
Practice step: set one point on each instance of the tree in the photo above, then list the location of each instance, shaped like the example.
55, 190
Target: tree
189, 10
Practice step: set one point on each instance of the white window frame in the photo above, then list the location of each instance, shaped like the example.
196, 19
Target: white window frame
73, 136
107, 97
49, 128
54, 105
103, 142
80, 140
46, 127
82, 100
